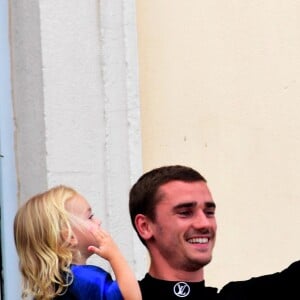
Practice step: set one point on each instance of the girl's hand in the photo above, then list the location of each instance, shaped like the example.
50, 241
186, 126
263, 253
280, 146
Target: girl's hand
124, 275
107, 248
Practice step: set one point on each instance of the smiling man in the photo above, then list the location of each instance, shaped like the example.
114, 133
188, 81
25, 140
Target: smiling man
173, 213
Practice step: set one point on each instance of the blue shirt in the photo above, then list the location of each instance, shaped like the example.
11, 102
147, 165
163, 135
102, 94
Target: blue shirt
91, 283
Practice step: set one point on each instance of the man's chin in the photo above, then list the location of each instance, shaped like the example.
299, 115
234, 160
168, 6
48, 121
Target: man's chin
197, 264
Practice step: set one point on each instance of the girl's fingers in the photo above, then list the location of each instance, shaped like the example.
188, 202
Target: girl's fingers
98, 231
94, 250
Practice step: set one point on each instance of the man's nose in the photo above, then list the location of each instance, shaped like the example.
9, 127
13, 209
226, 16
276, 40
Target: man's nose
201, 220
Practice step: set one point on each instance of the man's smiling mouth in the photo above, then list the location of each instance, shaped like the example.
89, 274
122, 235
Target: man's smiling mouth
198, 240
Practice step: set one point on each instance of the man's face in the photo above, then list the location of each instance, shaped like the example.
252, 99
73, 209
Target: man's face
184, 229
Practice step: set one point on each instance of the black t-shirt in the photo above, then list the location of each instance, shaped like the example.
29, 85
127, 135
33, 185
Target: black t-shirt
283, 285
156, 289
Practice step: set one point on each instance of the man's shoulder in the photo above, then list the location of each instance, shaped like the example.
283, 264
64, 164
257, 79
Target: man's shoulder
278, 284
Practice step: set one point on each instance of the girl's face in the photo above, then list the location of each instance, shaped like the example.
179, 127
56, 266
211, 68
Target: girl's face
85, 221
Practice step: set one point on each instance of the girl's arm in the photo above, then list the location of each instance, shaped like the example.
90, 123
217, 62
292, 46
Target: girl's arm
124, 275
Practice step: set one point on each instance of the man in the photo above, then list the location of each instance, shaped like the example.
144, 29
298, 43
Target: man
173, 213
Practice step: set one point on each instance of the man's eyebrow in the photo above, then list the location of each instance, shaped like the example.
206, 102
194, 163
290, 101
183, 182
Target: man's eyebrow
210, 204
185, 205
207, 204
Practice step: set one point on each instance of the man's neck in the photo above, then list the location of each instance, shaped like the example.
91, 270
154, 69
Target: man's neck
164, 271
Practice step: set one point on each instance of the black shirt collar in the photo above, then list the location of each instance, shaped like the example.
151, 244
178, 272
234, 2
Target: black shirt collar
153, 288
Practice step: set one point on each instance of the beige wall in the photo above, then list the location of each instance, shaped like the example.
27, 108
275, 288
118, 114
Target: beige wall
220, 89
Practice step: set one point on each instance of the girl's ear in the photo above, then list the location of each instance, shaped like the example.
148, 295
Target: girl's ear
73, 240
143, 226
69, 236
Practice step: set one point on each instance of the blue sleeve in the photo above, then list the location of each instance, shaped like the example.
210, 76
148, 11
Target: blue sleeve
93, 283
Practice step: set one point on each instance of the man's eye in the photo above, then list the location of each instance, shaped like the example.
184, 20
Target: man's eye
91, 216
210, 213
185, 213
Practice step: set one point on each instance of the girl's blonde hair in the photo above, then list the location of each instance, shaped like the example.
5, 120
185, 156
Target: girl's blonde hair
42, 232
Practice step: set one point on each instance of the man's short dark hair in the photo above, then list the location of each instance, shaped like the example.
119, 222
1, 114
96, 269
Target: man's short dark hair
143, 194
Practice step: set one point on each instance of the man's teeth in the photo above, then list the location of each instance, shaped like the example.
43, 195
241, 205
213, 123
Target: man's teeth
198, 240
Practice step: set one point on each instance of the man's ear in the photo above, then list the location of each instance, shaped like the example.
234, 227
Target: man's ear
143, 226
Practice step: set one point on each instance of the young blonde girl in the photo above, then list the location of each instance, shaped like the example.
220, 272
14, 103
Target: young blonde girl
55, 232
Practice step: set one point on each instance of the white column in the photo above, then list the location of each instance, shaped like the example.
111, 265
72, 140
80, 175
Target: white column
122, 121
75, 82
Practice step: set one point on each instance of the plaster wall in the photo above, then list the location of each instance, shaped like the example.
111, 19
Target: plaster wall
76, 107
219, 88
